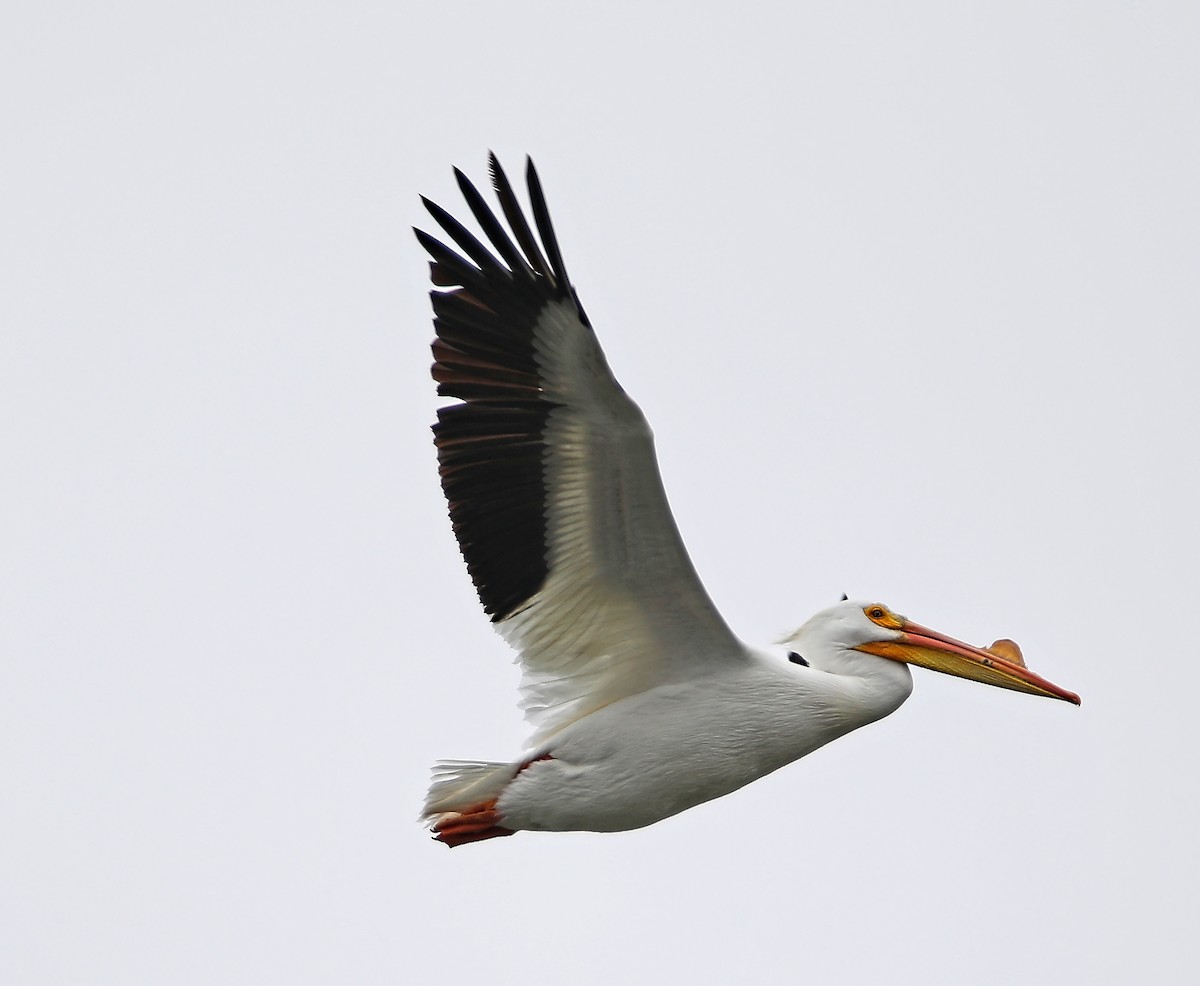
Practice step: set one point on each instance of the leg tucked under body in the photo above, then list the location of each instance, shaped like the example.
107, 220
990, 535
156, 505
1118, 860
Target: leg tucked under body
474, 825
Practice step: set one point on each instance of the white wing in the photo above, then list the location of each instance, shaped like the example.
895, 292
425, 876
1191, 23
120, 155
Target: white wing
553, 485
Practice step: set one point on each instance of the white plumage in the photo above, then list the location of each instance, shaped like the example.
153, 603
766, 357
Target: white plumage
644, 702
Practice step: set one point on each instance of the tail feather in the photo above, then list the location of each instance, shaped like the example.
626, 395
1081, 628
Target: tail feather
463, 785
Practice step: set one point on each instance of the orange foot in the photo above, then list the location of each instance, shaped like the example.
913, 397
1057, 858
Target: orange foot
474, 825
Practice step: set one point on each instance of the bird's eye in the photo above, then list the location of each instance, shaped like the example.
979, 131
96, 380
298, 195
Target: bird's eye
882, 616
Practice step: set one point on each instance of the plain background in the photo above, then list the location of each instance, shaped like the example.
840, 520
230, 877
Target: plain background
909, 293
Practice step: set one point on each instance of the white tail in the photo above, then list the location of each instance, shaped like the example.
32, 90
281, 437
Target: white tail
462, 785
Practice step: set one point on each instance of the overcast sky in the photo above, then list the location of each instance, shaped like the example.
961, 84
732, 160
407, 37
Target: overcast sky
910, 294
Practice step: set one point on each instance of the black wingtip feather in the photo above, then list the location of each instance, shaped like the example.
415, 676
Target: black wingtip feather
491, 227
466, 241
541, 215
491, 442
516, 218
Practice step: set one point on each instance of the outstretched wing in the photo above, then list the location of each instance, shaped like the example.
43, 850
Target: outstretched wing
550, 472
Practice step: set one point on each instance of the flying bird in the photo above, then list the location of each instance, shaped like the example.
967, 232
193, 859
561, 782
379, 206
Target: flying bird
643, 701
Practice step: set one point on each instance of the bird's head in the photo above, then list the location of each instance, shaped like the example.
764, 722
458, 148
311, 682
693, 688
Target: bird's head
854, 627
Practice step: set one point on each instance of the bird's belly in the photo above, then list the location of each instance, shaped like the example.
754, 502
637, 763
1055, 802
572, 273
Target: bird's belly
651, 756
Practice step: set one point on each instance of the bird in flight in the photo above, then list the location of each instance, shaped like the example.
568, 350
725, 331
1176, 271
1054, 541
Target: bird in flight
643, 701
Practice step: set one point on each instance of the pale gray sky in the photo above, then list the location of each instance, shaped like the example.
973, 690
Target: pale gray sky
910, 296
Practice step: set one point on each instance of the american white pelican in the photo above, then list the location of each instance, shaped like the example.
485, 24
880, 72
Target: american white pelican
644, 701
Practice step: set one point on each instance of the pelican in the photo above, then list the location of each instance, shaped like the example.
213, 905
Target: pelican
643, 701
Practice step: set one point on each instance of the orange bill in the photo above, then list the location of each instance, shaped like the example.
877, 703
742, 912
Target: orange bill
1001, 664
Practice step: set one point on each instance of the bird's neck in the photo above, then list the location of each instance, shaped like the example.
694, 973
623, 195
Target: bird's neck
876, 685
800, 709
